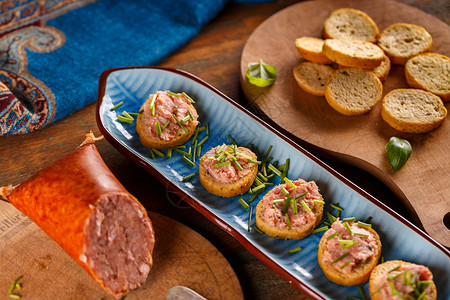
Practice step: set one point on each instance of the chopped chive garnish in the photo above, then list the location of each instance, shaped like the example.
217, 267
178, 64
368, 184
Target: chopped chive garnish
179, 123
253, 161
352, 219
187, 154
286, 204
190, 115
11, 288
203, 141
332, 236
361, 293
188, 161
422, 295
289, 182
413, 280
232, 140
195, 136
336, 207
262, 177
382, 259
305, 206
124, 119
153, 110
348, 228
250, 218
286, 169
340, 258
346, 264
189, 98
267, 152
285, 192
243, 203
237, 165
194, 154
165, 125
169, 152
257, 181
318, 201
173, 94
158, 128
152, 102
261, 186
406, 277
14, 296
320, 229
252, 198
348, 244
295, 250
294, 207
133, 114
361, 234
207, 129
278, 200
157, 152
395, 269
152, 153
185, 119
378, 289
392, 278
258, 230
116, 106
368, 219
186, 178
127, 115
331, 218
243, 155
301, 195
140, 111
199, 151
273, 169
362, 224
222, 164
288, 221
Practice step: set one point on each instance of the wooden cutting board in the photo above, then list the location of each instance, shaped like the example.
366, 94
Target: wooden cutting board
181, 257
423, 183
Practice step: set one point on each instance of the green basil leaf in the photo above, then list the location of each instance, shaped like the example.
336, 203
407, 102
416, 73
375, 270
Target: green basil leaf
261, 74
398, 152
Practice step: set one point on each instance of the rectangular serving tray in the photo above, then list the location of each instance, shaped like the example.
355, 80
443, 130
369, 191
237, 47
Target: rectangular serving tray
400, 239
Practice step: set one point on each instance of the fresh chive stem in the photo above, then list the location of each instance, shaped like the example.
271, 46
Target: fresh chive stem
305, 206
286, 204
116, 106
203, 141
268, 151
173, 94
157, 152
288, 221
284, 191
320, 229
340, 258
124, 119
294, 250
222, 164
332, 236
188, 161
258, 230
187, 96
232, 140
352, 219
336, 207
348, 228
290, 182
158, 128
250, 219
301, 195
179, 123
243, 203
186, 178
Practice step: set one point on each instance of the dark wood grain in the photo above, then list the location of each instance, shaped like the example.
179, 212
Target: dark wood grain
214, 56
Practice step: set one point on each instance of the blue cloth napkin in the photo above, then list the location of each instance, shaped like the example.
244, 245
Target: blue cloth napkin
58, 74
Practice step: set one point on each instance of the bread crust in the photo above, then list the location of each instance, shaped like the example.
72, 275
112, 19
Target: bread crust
350, 23
343, 87
310, 48
359, 275
430, 72
402, 41
149, 142
312, 77
227, 189
296, 233
384, 268
413, 110
353, 53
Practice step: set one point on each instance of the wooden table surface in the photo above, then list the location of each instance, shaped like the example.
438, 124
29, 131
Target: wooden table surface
214, 56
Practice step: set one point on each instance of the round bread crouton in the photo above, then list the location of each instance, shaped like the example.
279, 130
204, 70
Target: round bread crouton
402, 41
228, 174
310, 48
395, 277
353, 91
353, 53
413, 110
160, 129
430, 72
312, 77
351, 24
347, 259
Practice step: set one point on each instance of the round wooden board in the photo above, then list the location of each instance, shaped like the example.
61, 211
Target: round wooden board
424, 182
181, 257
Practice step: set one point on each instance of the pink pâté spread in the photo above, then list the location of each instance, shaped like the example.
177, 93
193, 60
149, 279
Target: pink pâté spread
404, 280
357, 248
166, 106
227, 172
273, 214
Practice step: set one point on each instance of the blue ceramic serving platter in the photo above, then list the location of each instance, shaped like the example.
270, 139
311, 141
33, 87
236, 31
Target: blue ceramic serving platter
400, 239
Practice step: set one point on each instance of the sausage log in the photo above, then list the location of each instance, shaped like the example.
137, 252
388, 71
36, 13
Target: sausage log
79, 203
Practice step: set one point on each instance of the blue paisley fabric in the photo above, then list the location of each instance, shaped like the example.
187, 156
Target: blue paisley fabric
52, 52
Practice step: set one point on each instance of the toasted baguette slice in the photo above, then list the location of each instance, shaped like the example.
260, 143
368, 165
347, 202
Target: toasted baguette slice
430, 72
352, 24
382, 71
292, 232
353, 53
360, 272
312, 77
238, 184
310, 48
402, 41
376, 284
353, 91
413, 110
